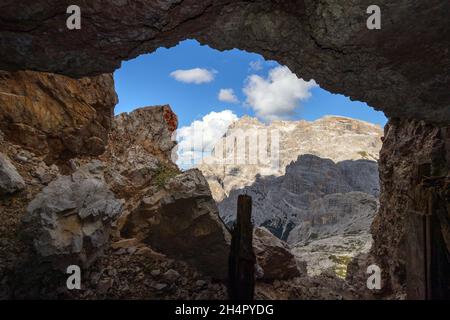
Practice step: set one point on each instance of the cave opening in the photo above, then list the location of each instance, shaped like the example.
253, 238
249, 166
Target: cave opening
321, 197
64, 116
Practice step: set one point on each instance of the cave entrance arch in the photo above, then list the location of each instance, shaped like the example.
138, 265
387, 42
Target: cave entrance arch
390, 69
152, 78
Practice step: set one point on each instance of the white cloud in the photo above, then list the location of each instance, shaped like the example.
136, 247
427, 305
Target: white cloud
256, 65
227, 95
196, 75
197, 140
277, 96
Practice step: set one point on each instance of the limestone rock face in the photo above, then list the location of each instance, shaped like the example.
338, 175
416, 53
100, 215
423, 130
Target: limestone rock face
71, 218
144, 131
171, 212
55, 115
362, 175
310, 185
274, 256
321, 199
336, 138
336, 229
336, 214
140, 149
325, 40
182, 221
315, 209
10, 179
407, 146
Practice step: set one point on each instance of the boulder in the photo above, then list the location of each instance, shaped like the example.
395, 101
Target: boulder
70, 220
55, 115
181, 220
10, 180
140, 147
274, 256
145, 132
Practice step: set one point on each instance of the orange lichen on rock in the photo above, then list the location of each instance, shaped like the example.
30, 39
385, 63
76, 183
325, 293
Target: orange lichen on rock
171, 118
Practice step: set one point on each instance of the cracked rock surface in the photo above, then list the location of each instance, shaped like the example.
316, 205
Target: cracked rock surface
56, 116
70, 220
10, 179
401, 69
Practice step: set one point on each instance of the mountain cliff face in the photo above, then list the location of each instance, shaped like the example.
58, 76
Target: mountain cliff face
326, 187
331, 137
310, 187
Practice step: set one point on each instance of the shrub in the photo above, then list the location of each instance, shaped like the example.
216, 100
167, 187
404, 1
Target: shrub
164, 173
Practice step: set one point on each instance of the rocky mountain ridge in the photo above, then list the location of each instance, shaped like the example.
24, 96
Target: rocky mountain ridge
332, 137
330, 190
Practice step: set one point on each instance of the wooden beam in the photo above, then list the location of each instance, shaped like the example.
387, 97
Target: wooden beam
241, 274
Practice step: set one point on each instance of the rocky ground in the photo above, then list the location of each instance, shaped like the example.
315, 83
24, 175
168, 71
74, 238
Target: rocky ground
332, 253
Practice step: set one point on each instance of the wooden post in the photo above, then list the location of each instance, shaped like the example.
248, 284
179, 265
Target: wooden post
241, 272
417, 245
427, 254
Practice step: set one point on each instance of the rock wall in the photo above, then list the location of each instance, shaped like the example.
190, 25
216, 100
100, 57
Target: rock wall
315, 194
333, 137
55, 115
323, 196
335, 215
408, 147
324, 40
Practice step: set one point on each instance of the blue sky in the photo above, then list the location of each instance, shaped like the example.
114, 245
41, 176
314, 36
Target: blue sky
147, 81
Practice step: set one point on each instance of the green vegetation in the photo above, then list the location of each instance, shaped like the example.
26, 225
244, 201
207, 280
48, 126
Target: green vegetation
164, 173
363, 154
341, 264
